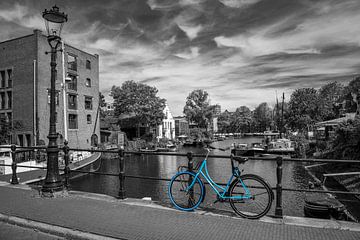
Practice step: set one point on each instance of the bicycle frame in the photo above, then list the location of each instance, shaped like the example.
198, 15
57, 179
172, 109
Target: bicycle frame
215, 186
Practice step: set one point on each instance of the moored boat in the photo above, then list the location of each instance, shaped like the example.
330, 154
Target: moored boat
23, 159
321, 205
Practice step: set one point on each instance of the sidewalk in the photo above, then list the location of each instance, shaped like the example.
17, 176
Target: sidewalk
87, 215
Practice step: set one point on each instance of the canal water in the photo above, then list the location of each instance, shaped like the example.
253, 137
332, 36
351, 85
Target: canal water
294, 176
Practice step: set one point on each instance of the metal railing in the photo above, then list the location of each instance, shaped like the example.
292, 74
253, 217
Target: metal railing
190, 165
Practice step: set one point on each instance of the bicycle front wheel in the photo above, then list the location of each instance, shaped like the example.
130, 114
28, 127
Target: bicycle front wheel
183, 197
250, 196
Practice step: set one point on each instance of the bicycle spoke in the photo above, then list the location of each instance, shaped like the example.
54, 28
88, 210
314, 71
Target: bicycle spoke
256, 197
180, 194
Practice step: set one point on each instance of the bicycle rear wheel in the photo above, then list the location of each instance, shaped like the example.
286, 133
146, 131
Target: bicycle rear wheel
183, 197
252, 206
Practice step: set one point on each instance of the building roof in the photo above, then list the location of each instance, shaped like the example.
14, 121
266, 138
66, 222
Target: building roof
336, 121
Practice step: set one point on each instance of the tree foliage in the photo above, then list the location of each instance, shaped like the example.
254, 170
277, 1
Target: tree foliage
346, 144
330, 100
303, 109
241, 120
198, 109
262, 116
352, 96
140, 101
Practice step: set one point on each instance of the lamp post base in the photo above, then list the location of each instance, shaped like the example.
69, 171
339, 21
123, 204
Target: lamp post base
52, 187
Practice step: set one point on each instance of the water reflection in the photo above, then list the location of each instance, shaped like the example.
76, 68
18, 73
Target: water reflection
294, 176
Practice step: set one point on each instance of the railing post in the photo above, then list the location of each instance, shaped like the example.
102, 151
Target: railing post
278, 208
14, 179
190, 169
190, 161
122, 192
67, 168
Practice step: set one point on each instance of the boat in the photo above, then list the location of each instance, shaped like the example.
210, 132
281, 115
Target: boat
81, 161
321, 205
148, 149
171, 147
282, 146
86, 161
243, 149
24, 160
189, 142
168, 148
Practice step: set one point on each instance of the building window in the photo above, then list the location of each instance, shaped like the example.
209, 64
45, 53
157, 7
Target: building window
88, 102
72, 85
72, 62
9, 100
88, 64
9, 117
56, 97
88, 82
20, 140
88, 119
72, 101
73, 121
2, 98
9, 71
2, 79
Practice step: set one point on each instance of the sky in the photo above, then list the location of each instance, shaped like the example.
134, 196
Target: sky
242, 52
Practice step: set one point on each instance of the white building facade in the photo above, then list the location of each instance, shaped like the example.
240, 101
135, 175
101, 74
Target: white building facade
167, 129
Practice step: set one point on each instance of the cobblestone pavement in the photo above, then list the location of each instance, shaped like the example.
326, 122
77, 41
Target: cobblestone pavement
15, 232
104, 216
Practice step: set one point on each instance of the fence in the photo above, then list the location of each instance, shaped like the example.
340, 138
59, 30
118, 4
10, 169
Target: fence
190, 156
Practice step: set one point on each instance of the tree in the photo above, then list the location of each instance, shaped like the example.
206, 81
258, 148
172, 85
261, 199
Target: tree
140, 101
198, 109
224, 120
303, 109
352, 96
241, 120
262, 116
346, 144
330, 100
102, 104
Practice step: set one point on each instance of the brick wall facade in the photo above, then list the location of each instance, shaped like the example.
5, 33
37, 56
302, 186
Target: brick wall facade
30, 67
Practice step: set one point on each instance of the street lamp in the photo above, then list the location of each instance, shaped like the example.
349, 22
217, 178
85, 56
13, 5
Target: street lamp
54, 20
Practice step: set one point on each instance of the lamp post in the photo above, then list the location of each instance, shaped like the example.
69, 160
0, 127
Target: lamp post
54, 20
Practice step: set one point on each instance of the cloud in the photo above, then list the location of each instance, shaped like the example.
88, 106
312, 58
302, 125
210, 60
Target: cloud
239, 51
15, 13
193, 53
238, 3
191, 31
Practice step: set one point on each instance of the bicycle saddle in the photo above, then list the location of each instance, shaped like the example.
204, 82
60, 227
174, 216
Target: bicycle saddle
239, 159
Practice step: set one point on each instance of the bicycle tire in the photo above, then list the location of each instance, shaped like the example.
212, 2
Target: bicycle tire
261, 197
182, 199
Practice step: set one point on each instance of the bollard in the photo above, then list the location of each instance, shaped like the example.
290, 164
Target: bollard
278, 208
122, 192
190, 169
67, 168
14, 179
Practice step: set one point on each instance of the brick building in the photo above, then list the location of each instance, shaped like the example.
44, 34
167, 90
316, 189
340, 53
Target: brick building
25, 92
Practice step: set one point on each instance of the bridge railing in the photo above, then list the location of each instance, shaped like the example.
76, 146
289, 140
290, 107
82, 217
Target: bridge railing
190, 165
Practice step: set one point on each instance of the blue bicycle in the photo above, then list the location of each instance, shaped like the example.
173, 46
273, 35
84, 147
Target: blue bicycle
249, 195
